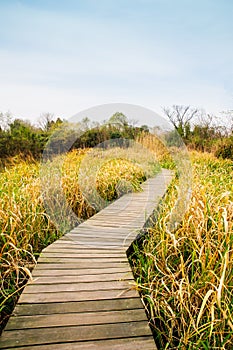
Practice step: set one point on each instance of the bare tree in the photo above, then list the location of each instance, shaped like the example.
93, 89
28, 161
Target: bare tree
213, 124
228, 119
205, 119
45, 121
5, 120
181, 116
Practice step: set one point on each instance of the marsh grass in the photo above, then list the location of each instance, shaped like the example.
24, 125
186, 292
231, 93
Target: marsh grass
185, 277
162, 152
25, 226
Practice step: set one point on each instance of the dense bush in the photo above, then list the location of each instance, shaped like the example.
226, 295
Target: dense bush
225, 148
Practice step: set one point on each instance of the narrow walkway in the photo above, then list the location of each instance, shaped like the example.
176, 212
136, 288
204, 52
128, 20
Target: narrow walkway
83, 295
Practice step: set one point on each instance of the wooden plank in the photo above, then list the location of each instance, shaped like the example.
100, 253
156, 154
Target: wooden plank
105, 236
82, 265
124, 215
118, 224
90, 242
96, 238
83, 278
73, 245
121, 217
99, 234
98, 224
70, 259
93, 227
74, 333
84, 253
78, 306
73, 238
91, 254
88, 226
136, 343
38, 271
76, 319
80, 296
80, 238
89, 245
77, 287
102, 230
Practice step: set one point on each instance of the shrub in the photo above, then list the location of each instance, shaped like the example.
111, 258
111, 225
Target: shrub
225, 149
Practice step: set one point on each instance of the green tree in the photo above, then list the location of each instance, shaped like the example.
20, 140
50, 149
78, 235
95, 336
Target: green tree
119, 120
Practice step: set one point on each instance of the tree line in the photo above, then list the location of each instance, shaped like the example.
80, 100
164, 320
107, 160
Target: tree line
22, 137
198, 130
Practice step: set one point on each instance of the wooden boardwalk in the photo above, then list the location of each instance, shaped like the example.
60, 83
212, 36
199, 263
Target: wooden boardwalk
83, 295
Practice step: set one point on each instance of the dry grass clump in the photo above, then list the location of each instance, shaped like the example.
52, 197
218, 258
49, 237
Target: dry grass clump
71, 185
186, 276
122, 177
105, 174
25, 228
155, 144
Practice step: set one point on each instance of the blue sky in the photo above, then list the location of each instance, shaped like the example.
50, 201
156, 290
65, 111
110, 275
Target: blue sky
66, 56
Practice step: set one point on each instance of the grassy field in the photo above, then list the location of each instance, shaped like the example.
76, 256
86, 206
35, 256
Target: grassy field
186, 277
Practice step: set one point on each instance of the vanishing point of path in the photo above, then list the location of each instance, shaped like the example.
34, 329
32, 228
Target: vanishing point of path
83, 295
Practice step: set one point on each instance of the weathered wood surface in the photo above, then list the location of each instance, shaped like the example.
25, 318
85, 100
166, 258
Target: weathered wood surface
82, 294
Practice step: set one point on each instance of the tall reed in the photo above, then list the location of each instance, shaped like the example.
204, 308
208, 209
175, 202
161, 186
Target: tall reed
186, 276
